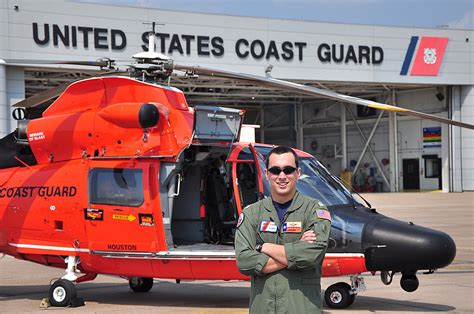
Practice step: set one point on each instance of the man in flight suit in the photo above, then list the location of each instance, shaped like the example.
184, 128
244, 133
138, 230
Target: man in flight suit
281, 241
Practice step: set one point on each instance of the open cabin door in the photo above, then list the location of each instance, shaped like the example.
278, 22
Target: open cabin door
216, 124
119, 218
247, 176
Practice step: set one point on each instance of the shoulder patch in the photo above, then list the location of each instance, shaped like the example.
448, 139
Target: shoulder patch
241, 219
323, 214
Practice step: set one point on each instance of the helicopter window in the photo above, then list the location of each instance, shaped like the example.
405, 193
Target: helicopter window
116, 186
245, 154
247, 179
316, 183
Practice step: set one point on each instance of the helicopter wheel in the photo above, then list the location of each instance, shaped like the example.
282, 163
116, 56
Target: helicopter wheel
62, 292
339, 296
140, 284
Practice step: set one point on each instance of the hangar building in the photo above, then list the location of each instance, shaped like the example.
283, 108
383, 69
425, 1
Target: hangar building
428, 70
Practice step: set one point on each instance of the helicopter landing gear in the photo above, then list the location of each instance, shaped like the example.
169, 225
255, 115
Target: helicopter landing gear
140, 284
338, 296
342, 295
72, 262
62, 293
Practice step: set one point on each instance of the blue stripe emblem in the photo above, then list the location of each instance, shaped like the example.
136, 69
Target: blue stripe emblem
409, 55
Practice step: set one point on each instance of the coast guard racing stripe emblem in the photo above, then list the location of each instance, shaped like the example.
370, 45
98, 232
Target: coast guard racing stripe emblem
268, 226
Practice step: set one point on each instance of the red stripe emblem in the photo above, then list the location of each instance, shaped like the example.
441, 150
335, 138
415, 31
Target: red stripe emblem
429, 56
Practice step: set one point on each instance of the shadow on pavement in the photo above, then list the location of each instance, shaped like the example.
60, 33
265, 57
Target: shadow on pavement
198, 295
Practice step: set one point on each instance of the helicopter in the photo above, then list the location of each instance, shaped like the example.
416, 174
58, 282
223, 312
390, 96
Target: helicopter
114, 178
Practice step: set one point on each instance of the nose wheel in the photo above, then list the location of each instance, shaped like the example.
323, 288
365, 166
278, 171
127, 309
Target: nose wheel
339, 295
62, 292
140, 284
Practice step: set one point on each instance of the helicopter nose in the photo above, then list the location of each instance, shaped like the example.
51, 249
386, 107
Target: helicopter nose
396, 245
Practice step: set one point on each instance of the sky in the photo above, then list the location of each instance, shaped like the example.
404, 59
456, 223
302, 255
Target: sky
454, 14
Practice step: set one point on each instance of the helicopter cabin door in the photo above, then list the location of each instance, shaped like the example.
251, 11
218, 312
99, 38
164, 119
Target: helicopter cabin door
246, 174
119, 218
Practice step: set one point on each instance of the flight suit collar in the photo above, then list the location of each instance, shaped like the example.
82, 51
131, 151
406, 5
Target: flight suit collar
295, 204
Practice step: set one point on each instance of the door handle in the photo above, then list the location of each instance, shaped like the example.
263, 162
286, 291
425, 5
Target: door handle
178, 185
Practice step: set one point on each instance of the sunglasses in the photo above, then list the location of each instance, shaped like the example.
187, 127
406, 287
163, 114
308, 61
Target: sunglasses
286, 170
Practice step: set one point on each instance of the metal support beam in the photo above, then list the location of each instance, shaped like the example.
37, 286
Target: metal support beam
343, 138
291, 125
393, 148
368, 142
370, 149
262, 124
299, 127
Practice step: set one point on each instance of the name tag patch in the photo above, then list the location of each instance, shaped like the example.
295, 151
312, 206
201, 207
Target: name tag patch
268, 226
292, 227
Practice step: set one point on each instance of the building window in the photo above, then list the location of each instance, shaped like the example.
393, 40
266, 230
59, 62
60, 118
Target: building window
116, 186
432, 166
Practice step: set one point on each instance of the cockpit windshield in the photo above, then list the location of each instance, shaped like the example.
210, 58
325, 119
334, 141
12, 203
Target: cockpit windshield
315, 181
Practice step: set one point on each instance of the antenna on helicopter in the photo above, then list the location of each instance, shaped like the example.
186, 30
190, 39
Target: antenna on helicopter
151, 65
151, 54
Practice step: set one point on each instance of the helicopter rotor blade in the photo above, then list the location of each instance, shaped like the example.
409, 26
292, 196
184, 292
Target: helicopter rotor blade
102, 63
314, 91
47, 95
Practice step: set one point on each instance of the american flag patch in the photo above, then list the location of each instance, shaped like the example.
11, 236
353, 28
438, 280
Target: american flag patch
323, 214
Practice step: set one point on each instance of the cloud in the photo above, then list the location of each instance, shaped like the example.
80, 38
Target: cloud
466, 22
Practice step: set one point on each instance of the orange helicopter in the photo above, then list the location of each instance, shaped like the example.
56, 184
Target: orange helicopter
121, 176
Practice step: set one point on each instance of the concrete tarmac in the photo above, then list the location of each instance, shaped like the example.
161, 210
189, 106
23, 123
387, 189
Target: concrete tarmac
449, 290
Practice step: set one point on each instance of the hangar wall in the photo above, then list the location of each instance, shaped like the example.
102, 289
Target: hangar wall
4, 107
323, 139
297, 49
15, 93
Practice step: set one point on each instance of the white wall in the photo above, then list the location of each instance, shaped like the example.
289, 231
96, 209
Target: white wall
15, 93
4, 107
16, 41
467, 138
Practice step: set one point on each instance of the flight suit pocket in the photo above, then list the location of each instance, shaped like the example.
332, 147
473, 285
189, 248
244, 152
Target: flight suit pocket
306, 295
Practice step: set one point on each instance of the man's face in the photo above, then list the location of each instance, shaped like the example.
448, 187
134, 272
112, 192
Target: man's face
283, 185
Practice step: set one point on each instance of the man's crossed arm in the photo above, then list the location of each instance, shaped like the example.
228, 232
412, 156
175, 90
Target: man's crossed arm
278, 259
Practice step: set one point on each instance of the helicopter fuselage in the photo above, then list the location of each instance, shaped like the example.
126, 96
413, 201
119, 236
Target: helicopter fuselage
118, 180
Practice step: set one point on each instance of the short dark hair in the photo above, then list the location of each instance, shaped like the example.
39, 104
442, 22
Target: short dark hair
280, 150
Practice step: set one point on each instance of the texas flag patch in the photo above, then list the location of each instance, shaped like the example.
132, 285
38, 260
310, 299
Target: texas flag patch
323, 214
292, 227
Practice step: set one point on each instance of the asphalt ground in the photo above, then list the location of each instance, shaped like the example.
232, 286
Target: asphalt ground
449, 290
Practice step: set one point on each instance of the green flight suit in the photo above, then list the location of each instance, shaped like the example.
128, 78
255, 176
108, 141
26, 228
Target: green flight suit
297, 288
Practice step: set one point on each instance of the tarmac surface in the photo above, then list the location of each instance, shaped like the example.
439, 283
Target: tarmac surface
448, 290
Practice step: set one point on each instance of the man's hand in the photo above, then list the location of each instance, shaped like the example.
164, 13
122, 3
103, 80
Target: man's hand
308, 236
